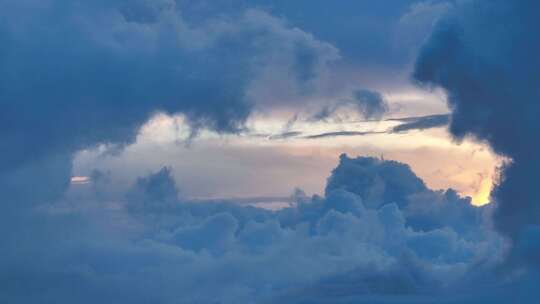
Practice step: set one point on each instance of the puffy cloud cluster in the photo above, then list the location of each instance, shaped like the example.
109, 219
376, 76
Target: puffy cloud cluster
378, 232
485, 55
374, 181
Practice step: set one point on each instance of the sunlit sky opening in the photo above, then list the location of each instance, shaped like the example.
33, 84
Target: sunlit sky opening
286, 148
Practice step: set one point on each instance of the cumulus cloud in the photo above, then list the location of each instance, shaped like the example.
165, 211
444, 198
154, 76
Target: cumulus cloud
153, 191
377, 232
484, 54
374, 181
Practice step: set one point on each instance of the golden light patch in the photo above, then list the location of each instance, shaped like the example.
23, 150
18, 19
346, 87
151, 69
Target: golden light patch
482, 195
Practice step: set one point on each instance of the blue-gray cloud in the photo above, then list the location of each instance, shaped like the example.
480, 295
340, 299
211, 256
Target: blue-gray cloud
485, 55
369, 104
285, 135
340, 134
385, 182
407, 124
153, 191
76, 74
367, 33
421, 123
377, 232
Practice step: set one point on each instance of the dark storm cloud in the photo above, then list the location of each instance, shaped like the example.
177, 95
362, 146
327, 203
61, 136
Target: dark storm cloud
367, 32
485, 55
76, 74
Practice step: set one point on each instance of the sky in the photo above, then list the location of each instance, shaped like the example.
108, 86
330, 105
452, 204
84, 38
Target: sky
232, 151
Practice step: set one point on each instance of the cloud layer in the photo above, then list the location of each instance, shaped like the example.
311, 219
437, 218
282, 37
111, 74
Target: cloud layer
378, 232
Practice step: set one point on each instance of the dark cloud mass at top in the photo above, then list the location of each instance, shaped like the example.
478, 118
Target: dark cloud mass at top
76, 74
366, 32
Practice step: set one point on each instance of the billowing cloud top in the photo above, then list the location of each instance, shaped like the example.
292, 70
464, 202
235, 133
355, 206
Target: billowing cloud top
378, 231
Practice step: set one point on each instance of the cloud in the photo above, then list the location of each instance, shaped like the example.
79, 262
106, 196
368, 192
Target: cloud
153, 191
368, 104
371, 104
365, 32
77, 74
93, 73
417, 23
408, 124
377, 232
421, 123
385, 182
285, 135
340, 133
483, 53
